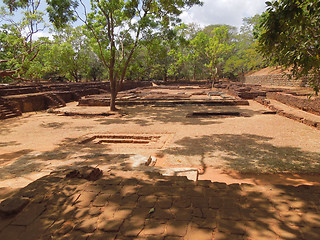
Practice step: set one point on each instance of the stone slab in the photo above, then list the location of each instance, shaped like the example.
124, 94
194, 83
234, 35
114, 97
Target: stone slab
13, 205
190, 173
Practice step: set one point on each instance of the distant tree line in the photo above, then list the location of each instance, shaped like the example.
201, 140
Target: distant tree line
163, 52
122, 40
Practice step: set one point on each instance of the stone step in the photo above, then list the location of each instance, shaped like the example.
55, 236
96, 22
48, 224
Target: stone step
11, 115
56, 100
8, 111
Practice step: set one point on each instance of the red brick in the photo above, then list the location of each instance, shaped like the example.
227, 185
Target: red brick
176, 228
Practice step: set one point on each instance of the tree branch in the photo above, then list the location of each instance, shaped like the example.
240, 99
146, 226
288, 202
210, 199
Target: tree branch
94, 34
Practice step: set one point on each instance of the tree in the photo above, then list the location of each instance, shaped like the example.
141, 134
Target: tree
153, 59
245, 57
18, 45
204, 52
289, 36
70, 53
197, 56
95, 68
219, 49
117, 28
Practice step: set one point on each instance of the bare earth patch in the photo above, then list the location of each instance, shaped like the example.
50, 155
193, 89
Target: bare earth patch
94, 174
252, 147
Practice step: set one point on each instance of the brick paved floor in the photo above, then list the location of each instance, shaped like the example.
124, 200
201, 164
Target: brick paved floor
157, 207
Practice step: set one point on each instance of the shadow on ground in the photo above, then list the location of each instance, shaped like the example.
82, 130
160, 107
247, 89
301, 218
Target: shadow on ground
116, 207
247, 154
54, 125
13, 155
148, 115
68, 154
10, 143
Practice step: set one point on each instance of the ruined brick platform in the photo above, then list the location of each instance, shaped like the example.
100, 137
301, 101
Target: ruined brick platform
166, 96
17, 99
151, 206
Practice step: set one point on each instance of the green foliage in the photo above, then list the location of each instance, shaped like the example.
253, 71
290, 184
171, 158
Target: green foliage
125, 40
215, 51
289, 36
68, 56
117, 28
18, 46
245, 58
15, 4
219, 49
61, 12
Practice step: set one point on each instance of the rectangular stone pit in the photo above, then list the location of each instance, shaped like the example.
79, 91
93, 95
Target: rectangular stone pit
155, 141
214, 114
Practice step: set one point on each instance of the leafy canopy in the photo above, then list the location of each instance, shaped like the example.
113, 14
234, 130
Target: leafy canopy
289, 36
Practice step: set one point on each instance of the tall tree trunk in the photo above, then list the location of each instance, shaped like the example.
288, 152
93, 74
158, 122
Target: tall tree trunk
112, 78
113, 100
113, 91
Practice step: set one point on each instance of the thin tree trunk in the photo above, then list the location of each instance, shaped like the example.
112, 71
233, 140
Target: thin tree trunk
165, 76
113, 91
113, 100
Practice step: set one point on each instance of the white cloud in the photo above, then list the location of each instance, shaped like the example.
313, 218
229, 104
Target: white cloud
43, 34
223, 12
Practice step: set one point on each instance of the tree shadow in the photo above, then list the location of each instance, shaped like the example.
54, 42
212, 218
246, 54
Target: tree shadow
7, 125
68, 154
149, 115
26, 162
9, 156
157, 207
247, 153
10, 143
54, 125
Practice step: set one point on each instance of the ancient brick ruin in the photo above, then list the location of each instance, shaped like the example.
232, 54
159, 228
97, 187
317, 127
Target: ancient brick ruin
17, 99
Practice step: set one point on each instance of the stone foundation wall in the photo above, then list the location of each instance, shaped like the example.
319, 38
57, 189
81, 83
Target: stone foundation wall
131, 85
86, 88
40, 97
30, 103
275, 80
303, 103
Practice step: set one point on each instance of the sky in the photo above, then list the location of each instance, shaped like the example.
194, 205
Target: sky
229, 12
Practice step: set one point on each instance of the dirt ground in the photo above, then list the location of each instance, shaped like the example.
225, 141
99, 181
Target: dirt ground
253, 147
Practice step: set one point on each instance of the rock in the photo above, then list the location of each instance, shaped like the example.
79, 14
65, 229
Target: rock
139, 161
190, 173
151, 161
13, 205
91, 174
73, 174
88, 173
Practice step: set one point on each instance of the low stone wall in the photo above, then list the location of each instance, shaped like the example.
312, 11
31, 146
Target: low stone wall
10, 90
186, 83
287, 114
275, 80
30, 103
131, 85
241, 90
308, 105
41, 97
